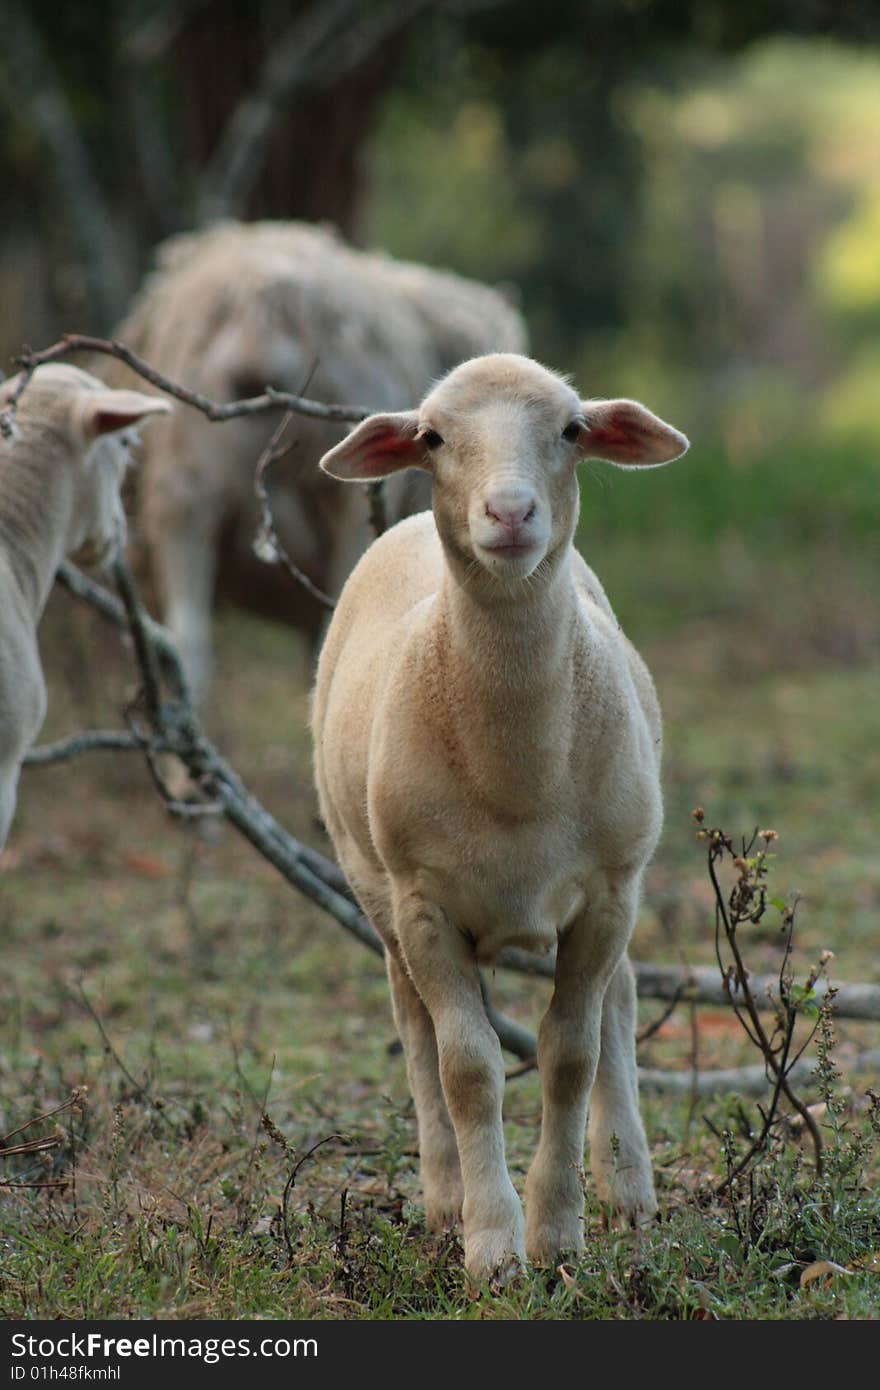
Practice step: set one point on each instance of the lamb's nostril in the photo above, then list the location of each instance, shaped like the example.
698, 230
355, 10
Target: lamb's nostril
510, 510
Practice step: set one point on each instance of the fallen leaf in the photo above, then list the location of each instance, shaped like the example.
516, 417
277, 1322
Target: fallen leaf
147, 865
820, 1269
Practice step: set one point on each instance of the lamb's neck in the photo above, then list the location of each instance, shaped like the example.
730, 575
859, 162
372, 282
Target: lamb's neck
36, 505
514, 644
507, 675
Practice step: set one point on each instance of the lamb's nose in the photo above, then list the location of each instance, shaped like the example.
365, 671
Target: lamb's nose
511, 507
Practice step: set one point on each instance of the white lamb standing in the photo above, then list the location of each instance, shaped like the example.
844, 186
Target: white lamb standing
60, 476
238, 307
487, 755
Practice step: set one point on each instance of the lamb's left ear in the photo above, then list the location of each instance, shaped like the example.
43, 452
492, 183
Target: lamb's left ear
379, 445
104, 412
628, 434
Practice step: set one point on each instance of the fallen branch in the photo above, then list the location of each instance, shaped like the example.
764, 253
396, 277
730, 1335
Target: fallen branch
700, 984
750, 1081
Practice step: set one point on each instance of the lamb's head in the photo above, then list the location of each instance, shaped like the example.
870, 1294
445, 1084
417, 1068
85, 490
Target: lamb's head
68, 418
501, 436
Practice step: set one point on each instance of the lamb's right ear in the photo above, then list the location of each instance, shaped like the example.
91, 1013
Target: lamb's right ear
379, 445
105, 412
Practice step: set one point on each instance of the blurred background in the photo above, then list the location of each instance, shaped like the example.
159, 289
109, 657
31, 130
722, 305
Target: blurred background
685, 197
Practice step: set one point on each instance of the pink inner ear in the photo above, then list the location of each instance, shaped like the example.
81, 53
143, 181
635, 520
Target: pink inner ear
384, 446
623, 444
106, 421
391, 442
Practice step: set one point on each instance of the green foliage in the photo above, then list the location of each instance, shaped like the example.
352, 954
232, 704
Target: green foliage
692, 229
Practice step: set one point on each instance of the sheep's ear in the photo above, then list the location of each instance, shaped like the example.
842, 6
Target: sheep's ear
628, 434
104, 412
379, 445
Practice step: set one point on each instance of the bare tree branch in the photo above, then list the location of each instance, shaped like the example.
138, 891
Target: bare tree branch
34, 82
378, 510
319, 48
89, 741
267, 545
147, 42
214, 410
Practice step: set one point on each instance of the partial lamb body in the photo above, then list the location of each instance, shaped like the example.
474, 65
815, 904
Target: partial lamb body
60, 476
233, 309
487, 754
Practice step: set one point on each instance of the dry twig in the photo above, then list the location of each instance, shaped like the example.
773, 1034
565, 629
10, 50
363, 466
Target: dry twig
267, 545
271, 399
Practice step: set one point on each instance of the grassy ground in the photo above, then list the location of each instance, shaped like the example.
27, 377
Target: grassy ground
169, 973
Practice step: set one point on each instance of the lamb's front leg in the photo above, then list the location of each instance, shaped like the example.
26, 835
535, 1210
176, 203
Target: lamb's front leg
569, 1043
439, 1167
442, 966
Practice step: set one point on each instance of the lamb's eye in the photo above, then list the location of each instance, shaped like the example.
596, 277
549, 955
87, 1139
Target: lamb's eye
431, 439
571, 432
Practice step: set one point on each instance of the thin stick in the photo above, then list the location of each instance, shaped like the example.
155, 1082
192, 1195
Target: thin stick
267, 545
89, 741
654, 1027
73, 1099
214, 410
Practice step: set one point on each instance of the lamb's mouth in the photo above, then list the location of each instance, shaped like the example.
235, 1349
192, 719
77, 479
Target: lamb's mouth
514, 549
517, 559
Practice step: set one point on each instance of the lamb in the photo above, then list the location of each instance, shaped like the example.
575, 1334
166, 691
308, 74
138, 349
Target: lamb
234, 308
487, 756
60, 476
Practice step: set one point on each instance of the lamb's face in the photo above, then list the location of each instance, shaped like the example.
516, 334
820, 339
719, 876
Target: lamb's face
502, 434
68, 421
99, 528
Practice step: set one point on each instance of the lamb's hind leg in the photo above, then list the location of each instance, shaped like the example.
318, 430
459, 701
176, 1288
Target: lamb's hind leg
185, 558
8, 789
438, 1152
619, 1156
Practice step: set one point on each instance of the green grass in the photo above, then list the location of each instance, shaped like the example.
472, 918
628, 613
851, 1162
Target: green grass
222, 994
803, 494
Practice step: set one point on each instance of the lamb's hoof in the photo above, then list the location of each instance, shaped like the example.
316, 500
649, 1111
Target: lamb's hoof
443, 1215
493, 1257
442, 1194
548, 1244
630, 1201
